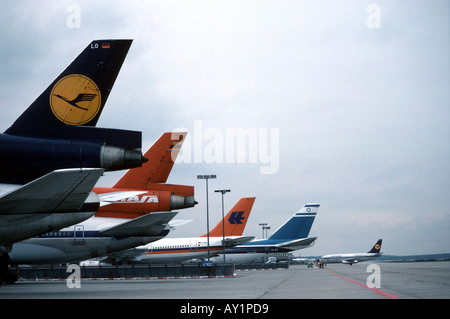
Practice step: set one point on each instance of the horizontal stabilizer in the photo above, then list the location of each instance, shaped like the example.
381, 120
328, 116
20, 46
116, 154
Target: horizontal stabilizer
174, 223
301, 243
151, 224
63, 190
230, 242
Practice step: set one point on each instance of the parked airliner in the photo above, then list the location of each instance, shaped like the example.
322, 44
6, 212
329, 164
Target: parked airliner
292, 235
140, 218
177, 250
354, 257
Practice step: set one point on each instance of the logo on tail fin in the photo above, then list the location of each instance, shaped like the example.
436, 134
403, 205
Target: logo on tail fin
236, 217
75, 99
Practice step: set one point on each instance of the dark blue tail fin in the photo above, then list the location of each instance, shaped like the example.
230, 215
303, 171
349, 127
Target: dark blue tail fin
376, 248
299, 225
77, 96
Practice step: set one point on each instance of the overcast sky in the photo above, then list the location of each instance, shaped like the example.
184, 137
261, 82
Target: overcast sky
348, 102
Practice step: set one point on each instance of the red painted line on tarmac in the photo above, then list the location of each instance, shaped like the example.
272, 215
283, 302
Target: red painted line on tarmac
374, 289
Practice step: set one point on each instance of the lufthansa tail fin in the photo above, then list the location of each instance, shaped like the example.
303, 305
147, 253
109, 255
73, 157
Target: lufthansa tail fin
161, 157
235, 220
376, 248
77, 96
299, 225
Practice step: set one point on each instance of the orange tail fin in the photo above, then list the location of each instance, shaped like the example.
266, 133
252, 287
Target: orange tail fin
161, 157
235, 220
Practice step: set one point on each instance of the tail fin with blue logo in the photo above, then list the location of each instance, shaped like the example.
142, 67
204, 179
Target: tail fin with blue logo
376, 248
57, 131
77, 96
299, 225
235, 220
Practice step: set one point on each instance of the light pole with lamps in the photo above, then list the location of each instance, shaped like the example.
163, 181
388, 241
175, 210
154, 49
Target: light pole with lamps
207, 177
263, 225
223, 191
266, 228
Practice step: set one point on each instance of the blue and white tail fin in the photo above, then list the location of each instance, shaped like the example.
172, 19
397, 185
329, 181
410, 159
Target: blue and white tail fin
299, 225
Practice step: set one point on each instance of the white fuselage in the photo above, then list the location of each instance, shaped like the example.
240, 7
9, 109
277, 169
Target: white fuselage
176, 250
347, 258
240, 259
75, 243
258, 251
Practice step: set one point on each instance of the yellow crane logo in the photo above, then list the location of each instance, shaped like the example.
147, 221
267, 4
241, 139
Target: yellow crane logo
75, 99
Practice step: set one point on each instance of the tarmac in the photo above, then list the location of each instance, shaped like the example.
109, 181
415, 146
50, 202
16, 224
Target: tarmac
400, 280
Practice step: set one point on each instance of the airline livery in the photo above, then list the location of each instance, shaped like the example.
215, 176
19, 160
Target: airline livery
52, 156
292, 235
353, 258
176, 250
57, 130
42, 185
151, 179
133, 219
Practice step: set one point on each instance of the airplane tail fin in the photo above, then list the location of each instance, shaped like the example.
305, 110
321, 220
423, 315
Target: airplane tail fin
299, 225
77, 96
235, 220
161, 157
376, 248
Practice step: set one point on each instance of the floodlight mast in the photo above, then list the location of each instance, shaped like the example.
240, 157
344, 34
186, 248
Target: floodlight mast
206, 178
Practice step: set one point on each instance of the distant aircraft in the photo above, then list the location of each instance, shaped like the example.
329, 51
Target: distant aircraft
137, 219
56, 131
177, 250
353, 258
292, 235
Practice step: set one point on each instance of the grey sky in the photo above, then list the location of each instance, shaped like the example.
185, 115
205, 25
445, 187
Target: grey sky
362, 113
